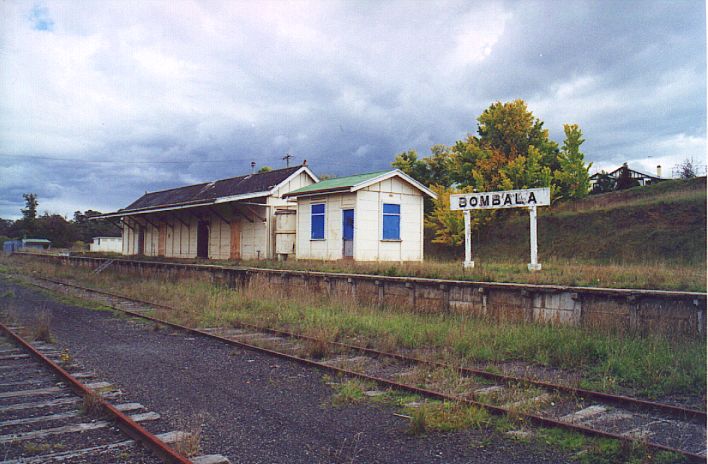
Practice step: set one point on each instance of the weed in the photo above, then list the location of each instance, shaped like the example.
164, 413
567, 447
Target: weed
92, 405
190, 442
349, 392
41, 330
418, 424
65, 357
31, 447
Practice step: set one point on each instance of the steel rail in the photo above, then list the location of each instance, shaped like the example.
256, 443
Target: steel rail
124, 422
673, 410
497, 410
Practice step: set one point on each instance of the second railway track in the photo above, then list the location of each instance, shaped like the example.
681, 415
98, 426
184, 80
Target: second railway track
656, 425
48, 414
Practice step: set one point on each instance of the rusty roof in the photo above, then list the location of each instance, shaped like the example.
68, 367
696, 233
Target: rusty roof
241, 185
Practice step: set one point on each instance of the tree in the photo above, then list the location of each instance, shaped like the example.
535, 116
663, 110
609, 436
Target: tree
87, 228
624, 179
56, 229
605, 183
265, 169
29, 212
686, 169
572, 177
27, 225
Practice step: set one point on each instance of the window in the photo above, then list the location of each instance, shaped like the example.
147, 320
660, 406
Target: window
317, 225
391, 222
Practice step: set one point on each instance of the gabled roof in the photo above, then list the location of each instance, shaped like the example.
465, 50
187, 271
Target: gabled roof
356, 182
219, 191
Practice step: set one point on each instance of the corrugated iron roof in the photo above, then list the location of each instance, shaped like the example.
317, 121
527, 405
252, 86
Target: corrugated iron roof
251, 183
337, 183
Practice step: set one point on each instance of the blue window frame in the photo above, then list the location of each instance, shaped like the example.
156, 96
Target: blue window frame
391, 221
317, 224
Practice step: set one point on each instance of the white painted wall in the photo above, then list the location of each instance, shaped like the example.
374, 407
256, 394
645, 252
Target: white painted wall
106, 245
332, 246
369, 244
257, 237
368, 224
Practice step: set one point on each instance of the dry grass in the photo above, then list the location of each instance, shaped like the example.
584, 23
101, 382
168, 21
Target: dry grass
646, 275
41, 328
92, 405
189, 443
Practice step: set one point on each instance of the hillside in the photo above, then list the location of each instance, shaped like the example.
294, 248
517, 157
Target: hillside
665, 222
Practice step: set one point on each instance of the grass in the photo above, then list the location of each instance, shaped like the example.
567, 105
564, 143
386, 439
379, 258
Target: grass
651, 366
557, 271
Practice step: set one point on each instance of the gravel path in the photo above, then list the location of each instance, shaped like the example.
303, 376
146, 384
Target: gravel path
257, 409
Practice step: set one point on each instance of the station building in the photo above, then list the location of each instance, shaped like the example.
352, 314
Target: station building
280, 214
368, 217
225, 219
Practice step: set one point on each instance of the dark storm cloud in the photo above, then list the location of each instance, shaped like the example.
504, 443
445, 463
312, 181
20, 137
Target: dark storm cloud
344, 85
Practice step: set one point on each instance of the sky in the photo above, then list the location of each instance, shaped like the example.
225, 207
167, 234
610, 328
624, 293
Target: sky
102, 101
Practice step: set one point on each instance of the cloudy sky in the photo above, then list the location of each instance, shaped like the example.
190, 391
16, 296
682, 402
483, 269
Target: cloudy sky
101, 101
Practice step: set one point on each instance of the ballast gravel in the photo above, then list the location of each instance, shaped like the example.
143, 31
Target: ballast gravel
254, 408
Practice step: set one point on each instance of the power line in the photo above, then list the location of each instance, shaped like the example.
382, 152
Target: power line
81, 160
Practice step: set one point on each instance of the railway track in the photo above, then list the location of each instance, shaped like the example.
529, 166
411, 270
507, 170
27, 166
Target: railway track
661, 427
48, 414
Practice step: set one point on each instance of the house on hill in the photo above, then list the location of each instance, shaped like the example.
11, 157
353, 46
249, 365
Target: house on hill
231, 218
367, 217
638, 178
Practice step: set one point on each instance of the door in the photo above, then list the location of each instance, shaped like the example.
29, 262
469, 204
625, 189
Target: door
235, 239
141, 240
162, 240
203, 239
348, 232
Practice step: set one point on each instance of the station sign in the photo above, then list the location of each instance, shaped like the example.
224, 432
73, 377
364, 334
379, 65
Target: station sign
503, 199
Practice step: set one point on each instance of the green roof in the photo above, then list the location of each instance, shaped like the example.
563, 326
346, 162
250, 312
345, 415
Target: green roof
338, 183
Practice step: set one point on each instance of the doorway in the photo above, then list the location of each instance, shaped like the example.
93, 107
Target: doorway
348, 233
203, 239
141, 240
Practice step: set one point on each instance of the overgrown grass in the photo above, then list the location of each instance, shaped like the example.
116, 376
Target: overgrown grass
645, 275
651, 366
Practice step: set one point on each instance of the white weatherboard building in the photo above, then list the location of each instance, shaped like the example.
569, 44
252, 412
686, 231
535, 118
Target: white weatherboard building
106, 245
367, 217
232, 218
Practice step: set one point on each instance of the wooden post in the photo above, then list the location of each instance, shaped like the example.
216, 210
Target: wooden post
469, 264
534, 265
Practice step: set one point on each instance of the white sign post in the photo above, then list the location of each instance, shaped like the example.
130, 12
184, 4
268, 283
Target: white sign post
528, 198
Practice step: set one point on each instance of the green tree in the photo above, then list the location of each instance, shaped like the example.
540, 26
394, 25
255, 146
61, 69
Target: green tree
572, 177
265, 169
29, 212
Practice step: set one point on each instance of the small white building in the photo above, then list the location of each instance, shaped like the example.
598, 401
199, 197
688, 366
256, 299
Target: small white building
367, 217
106, 245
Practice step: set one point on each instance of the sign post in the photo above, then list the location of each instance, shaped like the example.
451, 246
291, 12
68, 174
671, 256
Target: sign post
469, 264
528, 198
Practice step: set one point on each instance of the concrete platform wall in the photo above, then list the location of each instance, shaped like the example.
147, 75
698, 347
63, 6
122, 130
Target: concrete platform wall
632, 311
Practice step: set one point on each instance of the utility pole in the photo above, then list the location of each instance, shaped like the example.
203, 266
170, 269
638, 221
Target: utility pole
287, 159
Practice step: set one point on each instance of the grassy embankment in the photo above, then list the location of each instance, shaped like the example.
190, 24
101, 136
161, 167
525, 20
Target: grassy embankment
647, 237
650, 366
